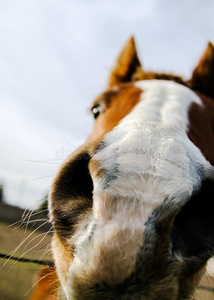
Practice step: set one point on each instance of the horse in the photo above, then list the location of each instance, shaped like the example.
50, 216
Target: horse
132, 208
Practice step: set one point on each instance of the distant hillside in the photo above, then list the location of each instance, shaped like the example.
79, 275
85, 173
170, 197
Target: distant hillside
12, 214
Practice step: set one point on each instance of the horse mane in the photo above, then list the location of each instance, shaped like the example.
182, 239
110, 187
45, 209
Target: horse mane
162, 76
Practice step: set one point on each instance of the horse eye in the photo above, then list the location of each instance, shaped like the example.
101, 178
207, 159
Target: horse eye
97, 110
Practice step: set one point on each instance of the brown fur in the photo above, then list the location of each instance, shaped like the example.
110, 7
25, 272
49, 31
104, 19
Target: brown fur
118, 103
128, 67
203, 76
201, 128
47, 285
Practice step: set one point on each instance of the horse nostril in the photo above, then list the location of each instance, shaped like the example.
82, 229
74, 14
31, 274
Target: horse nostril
71, 194
74, 178
192, 232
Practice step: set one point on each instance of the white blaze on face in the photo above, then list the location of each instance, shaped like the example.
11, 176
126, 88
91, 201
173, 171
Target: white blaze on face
149, 153
146, 159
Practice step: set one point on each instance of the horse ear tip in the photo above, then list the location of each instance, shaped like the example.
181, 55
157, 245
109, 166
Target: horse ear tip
203, 75
209, 54
210, 45
130, 43
132, 38
210, 49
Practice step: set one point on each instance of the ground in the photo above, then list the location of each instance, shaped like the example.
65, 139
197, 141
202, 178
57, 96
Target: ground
17, 279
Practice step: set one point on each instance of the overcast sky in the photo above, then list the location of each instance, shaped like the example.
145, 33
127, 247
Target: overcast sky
55, 57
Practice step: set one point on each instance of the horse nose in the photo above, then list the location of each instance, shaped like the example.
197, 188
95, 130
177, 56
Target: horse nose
85, 186
117, 226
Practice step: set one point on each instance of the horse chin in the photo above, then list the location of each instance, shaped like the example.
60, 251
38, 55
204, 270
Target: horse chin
90, 280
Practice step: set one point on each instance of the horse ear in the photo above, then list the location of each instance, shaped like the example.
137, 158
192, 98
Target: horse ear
128, 66
203, 76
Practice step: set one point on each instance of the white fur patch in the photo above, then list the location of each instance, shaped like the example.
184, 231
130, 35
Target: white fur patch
152, 142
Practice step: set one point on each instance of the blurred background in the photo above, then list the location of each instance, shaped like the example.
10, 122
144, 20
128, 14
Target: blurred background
55, 58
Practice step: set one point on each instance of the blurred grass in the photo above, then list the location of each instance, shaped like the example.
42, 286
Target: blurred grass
17, 279
205, 295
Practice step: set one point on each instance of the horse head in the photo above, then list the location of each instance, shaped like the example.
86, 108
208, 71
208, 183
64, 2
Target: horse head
132, 208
